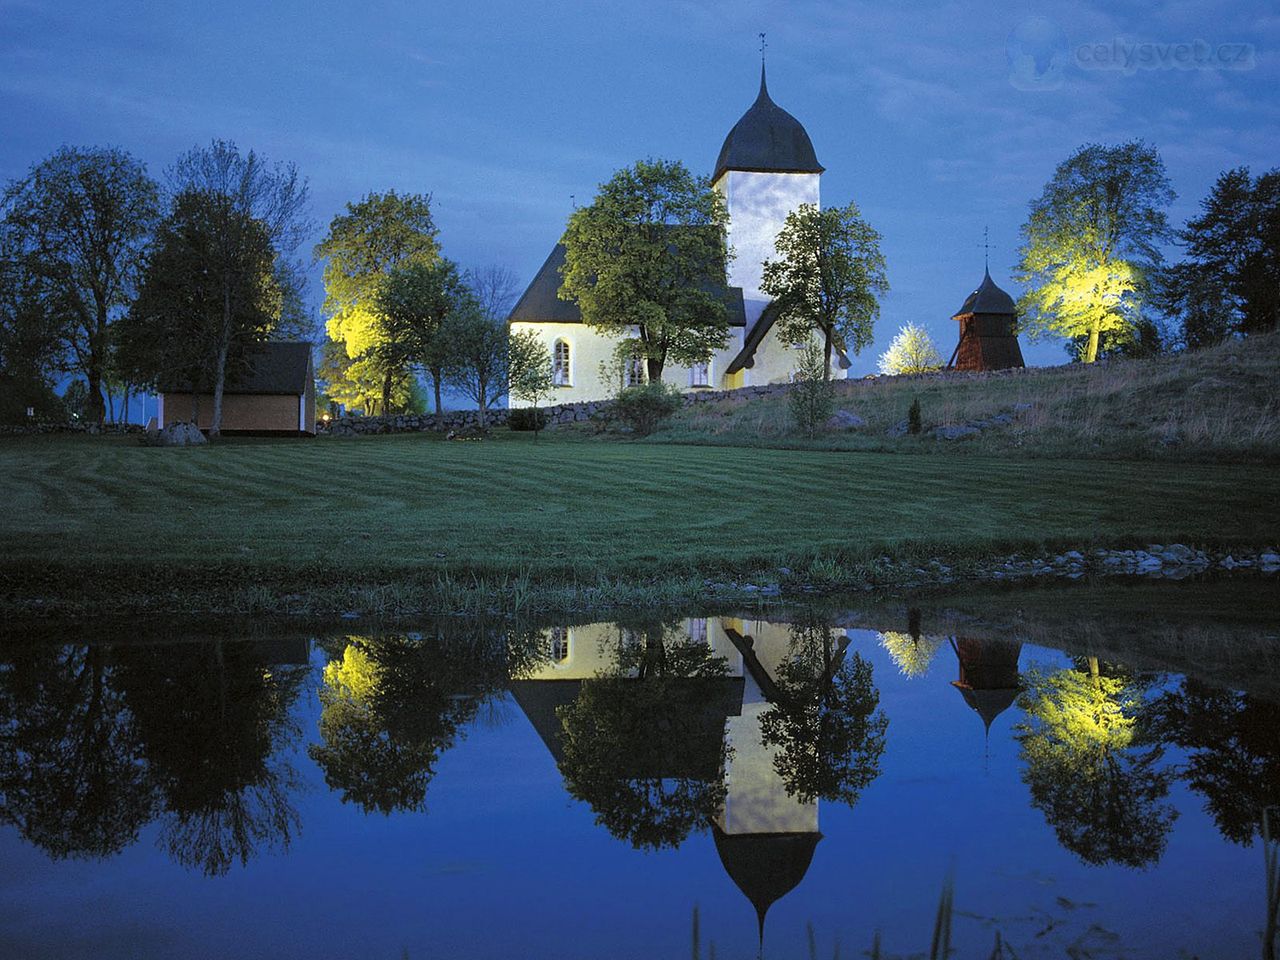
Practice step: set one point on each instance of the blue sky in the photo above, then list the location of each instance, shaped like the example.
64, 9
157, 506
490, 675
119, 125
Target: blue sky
503, 111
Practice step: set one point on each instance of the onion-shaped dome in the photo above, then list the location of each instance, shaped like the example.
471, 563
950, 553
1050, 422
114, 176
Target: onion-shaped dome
767, 140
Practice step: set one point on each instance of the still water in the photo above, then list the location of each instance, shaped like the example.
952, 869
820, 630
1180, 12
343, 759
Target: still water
1079, 773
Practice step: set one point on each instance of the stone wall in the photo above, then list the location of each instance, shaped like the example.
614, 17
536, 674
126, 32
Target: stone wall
556, 415
43, 427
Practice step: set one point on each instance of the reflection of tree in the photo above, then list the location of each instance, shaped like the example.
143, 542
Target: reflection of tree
824, 722
392, 705
1092, 768
213, 719
70, 774
912, 652
644, 746
1233, 752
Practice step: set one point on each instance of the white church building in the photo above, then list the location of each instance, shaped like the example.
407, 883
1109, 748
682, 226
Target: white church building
766, 169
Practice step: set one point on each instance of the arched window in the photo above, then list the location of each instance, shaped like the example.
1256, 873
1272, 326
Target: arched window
558, 647
560, 364
635, 371
700, 374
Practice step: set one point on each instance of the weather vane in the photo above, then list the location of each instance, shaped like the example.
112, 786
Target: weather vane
762, 46
986, 250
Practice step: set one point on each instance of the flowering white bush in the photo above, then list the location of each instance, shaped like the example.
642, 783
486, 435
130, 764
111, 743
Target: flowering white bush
912, 351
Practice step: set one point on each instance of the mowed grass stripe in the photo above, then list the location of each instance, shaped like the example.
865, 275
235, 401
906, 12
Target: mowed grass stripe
627, 510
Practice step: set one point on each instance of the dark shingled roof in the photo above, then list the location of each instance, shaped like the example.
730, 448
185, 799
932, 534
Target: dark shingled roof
767, 140
988, 298
541, 303
267, 368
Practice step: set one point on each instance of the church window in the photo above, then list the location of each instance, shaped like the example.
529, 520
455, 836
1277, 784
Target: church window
635, 371
698, 631
559, 645
560, 364
700, 374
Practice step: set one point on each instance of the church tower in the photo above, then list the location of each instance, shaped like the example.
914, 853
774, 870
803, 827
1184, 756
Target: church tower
766, 169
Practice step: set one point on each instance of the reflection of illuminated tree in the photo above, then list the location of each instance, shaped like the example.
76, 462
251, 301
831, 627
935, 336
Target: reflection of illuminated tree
391, 706
912, 652
213, 720
824, 721
71, 779
644, 746
1091, 769
1233, 749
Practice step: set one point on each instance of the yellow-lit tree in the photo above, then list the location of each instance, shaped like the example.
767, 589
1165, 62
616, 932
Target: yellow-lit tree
911, 652
911, 351
1092, 241
363, 246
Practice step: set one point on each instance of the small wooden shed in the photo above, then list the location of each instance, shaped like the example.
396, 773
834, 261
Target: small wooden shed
987, 337
271, 391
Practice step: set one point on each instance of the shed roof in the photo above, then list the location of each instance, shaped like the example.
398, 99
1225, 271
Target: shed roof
541, 302
275, 367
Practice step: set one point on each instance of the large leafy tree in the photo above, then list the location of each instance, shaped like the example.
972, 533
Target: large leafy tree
824, 721
1092, 243
245, 199
1093, 766
649, 254
1234, 245
75, 231
376, 236
416, 305
644, 743
828, 279
31, 346
189, 324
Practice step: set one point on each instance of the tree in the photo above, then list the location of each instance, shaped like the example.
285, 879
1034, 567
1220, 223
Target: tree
1091, 766
31, 350
77, 227
357, 383
244, 200
649, 255
812, 395
1233, 248
643, 744
417, 304
478, 357
828, 279
1201, 303
377, 235
529, 375
911, 351
190, 322
495, 289
824, 719
1091, 243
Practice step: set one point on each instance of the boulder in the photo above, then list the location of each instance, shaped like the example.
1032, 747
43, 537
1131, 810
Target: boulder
898, 430
955, 432
181, 434
845, 420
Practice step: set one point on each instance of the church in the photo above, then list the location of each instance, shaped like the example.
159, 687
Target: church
767, 168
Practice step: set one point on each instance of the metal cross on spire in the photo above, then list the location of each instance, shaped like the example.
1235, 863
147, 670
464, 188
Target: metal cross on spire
762, 46
986, 251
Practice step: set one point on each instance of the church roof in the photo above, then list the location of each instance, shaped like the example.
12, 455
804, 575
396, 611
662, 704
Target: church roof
765, 866
988, 298
746, 357
541, 302
988, 704
767, 140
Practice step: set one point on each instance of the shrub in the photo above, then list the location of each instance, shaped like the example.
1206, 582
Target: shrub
527, 418
912, 351
913, 417
642, 408
812, 395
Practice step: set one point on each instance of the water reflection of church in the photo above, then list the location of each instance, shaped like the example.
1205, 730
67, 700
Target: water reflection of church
765, 836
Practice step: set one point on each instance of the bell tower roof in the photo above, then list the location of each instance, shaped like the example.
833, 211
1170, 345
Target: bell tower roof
767, 139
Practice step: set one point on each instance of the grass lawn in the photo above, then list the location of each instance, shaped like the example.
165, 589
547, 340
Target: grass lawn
241, 525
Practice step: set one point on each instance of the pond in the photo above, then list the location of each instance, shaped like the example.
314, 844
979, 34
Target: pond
1080, 772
